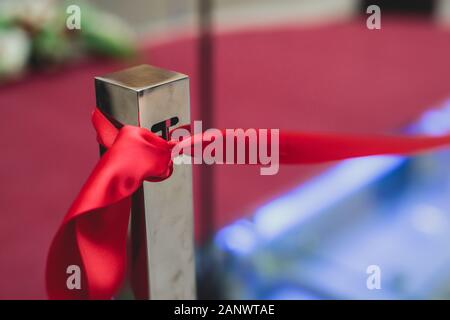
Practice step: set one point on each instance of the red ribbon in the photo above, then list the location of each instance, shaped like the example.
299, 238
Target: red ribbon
93, 234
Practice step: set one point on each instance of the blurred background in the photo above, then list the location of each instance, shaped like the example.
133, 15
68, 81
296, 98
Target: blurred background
309, 232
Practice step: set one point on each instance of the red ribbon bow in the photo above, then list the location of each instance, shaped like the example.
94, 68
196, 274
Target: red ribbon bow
93, 233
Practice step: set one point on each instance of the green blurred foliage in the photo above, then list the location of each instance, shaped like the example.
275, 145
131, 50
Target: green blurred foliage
34, 33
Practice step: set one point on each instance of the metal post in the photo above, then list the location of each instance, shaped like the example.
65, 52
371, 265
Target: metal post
158, 100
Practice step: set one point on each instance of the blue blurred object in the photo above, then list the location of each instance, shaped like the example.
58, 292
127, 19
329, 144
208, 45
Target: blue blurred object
317, 241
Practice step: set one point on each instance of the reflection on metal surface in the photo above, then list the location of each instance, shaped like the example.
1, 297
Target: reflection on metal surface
145, 96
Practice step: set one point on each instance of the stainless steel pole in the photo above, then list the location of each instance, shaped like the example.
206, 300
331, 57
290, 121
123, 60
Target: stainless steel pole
158, 100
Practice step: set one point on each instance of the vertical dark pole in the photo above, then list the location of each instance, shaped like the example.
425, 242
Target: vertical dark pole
206, 106
208, 271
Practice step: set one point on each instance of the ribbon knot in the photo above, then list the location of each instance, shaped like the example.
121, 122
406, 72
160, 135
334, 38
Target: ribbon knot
108, 135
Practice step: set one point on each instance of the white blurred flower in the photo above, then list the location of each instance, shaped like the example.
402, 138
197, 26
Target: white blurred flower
31, 13
14, 51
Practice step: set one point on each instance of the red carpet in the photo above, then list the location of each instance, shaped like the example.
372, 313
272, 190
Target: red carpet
334, 78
